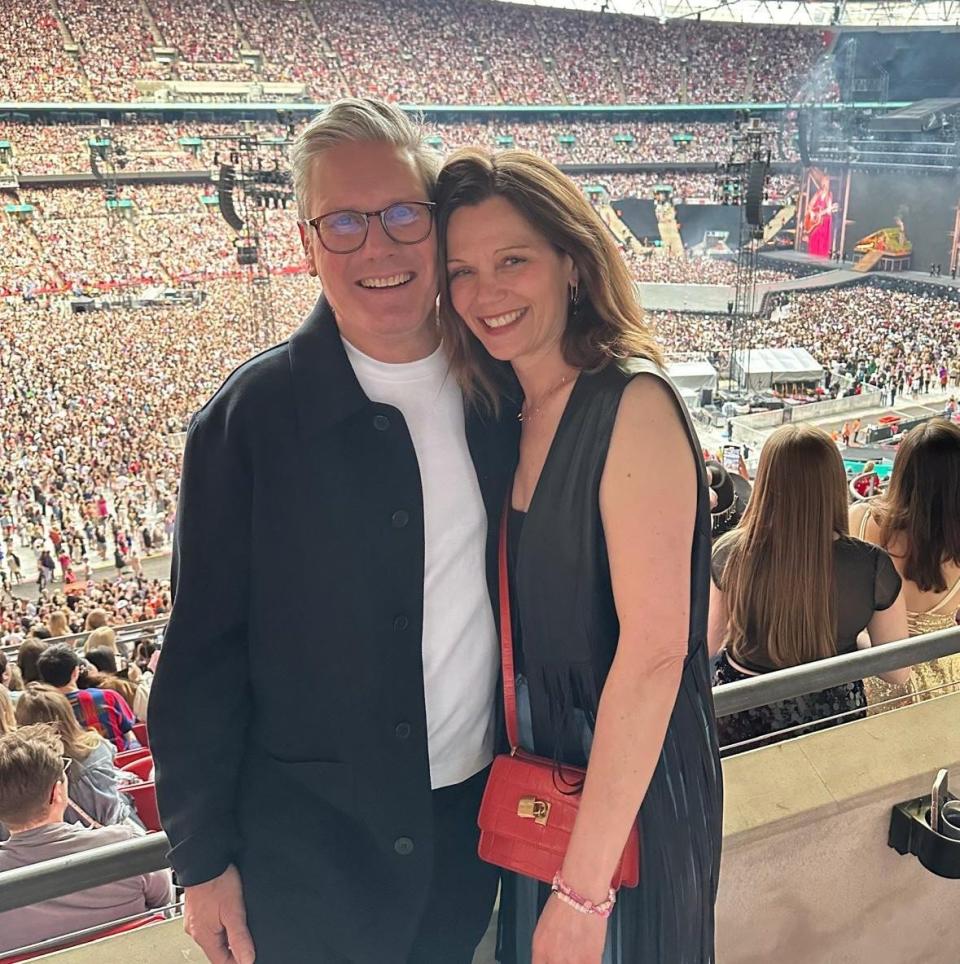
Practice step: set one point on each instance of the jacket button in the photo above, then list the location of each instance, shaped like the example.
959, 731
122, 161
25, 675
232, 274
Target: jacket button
400, 623
399, 519
403, 846
402, 731
381, 423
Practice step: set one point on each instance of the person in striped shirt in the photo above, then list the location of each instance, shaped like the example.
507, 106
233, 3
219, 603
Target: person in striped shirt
105, 711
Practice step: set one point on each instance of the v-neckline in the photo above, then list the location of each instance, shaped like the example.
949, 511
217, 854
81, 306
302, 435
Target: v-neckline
550, 451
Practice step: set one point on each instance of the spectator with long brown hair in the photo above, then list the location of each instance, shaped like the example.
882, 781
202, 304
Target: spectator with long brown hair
93, 779
8, 721
790, 586
27, 658
609, 602
57, 624
917, 520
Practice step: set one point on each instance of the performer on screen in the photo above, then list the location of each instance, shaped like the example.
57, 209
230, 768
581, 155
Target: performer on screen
818, 223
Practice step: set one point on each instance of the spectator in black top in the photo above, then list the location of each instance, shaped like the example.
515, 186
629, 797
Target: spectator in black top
790, 586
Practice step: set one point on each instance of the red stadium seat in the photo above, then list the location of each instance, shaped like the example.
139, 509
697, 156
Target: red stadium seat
141, 768
140, 732
108, 932
121, 760
144, 796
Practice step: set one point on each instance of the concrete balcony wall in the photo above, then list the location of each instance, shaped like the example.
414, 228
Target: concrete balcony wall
807, 875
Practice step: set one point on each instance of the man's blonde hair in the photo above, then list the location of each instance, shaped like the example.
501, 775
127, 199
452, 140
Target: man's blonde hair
358, 120
31, 762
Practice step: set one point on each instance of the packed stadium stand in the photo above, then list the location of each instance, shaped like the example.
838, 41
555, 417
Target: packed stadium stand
464, 52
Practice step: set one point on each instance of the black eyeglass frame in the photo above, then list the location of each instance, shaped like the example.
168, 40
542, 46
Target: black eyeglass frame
366, 215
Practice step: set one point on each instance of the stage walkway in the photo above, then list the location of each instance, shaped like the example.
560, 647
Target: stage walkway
713, 299
798, 258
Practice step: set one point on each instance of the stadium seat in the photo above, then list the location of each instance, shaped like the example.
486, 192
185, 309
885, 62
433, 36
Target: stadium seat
144, 796
140, 768
108, 932
121, 760
140, 732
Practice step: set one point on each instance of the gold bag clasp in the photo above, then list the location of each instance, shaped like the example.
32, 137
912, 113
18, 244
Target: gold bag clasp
530, 808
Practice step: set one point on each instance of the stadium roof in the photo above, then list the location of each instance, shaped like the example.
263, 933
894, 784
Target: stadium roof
810, 13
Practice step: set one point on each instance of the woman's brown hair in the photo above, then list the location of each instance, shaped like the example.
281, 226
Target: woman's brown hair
779, 570
57, 624
27, 656
8, 722
923, 503
608, 321
43, 704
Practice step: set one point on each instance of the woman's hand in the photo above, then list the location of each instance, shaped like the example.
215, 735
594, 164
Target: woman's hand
565, 936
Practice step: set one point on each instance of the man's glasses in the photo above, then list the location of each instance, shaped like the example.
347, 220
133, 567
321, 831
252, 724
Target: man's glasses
63, 777
343, 232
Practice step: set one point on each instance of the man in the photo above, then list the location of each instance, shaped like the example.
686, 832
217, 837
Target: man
322, 734
105, 711
33, 798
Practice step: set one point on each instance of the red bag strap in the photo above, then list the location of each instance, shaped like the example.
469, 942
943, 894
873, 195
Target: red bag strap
506, 638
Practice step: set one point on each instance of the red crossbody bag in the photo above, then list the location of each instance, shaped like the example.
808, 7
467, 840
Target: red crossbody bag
530, 803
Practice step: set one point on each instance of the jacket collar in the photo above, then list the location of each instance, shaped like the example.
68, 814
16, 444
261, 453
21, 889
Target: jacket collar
325, 386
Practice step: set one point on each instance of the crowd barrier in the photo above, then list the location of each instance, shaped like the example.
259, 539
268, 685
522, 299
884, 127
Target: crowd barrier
65, 875
748, 428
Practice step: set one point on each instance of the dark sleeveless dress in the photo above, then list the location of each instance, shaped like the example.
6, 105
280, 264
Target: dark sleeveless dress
561, 589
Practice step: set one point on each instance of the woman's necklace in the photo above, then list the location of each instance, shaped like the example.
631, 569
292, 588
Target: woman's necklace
528, 412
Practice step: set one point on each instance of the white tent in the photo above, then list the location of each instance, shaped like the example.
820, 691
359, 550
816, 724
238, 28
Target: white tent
763, 367
692, 375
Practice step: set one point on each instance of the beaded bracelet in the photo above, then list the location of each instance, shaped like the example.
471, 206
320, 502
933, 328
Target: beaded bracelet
572, 899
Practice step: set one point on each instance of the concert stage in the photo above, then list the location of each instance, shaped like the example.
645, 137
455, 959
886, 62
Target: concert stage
777, 259
713, 299
820, 273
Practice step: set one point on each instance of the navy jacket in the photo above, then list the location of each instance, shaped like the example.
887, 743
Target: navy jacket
287, 716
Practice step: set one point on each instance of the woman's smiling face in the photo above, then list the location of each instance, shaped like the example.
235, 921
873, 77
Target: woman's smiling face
507, 282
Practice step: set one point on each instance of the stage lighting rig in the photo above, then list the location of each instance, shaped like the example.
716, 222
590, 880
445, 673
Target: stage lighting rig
107, 157
742, 181
255, 180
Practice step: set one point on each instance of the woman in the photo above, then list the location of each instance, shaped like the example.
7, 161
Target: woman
57, 624
27, 656
93, 779
790, 586
106, 676
609, 601
917, 521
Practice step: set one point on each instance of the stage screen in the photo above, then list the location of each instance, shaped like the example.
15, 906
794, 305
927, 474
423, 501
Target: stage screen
927, 205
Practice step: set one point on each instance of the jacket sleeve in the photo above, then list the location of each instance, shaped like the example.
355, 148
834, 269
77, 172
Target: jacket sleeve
199, 700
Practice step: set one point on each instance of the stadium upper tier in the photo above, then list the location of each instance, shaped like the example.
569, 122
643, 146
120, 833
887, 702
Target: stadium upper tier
39, 149
415, 51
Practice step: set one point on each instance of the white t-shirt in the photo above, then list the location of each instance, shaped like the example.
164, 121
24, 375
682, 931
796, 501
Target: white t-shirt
460, 649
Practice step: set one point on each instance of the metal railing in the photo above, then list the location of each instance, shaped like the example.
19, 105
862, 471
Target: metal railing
90, 868
66, 875
796, 681
129, 633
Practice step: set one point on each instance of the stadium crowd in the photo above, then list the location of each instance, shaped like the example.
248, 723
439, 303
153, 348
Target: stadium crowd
874, 335
466, 51
64, 148
89, 428
174, 233
693, 270
117, 601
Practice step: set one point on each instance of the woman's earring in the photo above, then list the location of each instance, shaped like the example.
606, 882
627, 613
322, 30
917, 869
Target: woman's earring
574, 300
